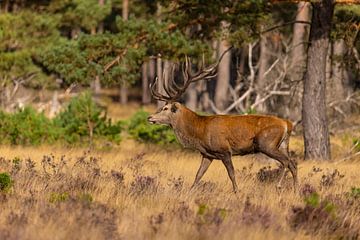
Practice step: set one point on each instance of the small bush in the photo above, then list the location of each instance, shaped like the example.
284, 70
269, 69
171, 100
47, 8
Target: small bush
143, 185
5, 182
27, 127
354, 193
322, 216
83, 118
58, 197
141, 130
269, 175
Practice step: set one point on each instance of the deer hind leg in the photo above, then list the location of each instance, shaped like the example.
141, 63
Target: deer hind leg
284, 148
205, 163
274, 144
230, 169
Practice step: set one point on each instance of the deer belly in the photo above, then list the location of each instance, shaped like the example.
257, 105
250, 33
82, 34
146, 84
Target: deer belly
242, 147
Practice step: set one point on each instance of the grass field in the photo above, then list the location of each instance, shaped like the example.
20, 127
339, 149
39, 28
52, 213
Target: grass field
138, 191
141, 191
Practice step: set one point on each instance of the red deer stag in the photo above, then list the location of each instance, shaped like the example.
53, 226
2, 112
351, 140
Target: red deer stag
222, 136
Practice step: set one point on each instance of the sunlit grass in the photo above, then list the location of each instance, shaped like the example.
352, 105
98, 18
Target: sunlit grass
138, 191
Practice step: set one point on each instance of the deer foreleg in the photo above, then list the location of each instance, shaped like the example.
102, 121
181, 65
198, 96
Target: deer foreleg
205, 163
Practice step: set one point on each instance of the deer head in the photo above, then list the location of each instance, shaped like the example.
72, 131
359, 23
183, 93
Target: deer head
174, 91
169, 112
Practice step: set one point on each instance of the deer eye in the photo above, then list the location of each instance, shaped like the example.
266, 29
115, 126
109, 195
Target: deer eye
165, 108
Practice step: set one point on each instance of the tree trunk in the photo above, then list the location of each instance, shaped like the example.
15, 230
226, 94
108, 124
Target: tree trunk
208, 87
152, 69
262, 81
124, 89
340, 86
5, 6
75, 32
329, 65
316, 133
298, 58
146, 99
223, 78
101, 24
160, 78
191, 96
97, 85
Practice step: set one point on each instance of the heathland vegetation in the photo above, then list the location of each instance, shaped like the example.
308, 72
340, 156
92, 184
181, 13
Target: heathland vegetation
79, 160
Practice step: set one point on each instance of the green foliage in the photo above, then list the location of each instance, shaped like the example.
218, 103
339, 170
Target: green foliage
22, 37
345, 20
250, 111
313, 200
140, 129
243, 18
203, 208
85, 14
81, 121
85, 197
58, 197
83, 118
356, 145
26, 127
67, 61
5, 182
355, 192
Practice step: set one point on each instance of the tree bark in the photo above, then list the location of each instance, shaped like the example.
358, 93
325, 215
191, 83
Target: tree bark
146, 99
340, 86
191, 96
123, 88
223, 78
339, 82
316, 133
101, 24
5, 6
298, 58
262, 81
160, 80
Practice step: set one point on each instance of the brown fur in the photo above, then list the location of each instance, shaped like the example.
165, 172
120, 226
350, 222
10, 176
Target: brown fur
223, 136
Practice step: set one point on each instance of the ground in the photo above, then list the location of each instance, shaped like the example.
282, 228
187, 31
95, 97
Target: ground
139, 191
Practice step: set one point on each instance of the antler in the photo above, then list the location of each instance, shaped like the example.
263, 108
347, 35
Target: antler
173, 90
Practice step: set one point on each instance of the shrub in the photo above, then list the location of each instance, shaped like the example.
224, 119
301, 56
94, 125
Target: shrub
143, 185
141, 130
27, 127
5, 182
58, 197
354, 193
83, 118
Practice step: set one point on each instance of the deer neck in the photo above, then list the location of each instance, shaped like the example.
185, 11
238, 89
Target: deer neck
188, 128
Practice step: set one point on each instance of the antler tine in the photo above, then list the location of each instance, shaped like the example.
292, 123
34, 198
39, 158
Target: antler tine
175, 91
211, 71
155, 94
187, 79
171, 87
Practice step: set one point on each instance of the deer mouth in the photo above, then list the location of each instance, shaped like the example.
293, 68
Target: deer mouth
151, 120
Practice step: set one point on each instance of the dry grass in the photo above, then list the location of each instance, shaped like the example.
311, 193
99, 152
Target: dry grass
142, 192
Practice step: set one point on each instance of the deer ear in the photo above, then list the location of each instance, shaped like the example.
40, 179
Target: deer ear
174, 108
